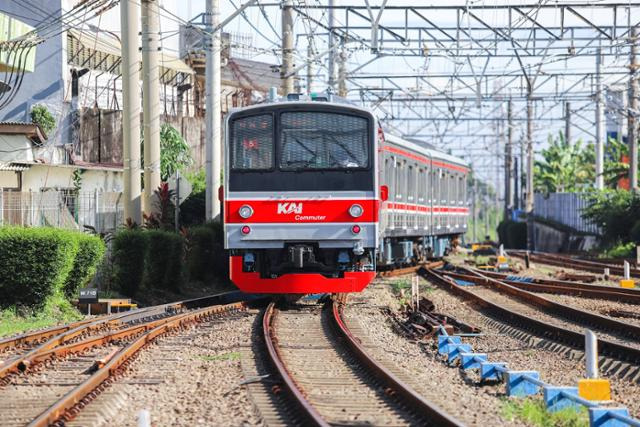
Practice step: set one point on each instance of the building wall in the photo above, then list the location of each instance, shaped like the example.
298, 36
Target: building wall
46, 85
38, 177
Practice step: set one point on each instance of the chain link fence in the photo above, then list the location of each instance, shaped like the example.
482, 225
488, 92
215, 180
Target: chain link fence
68, 209
566, 209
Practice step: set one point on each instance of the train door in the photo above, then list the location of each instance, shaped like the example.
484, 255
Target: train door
399, 185
422, 201
411, 199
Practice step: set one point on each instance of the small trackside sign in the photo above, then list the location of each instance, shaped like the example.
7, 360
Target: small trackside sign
88, 296
287, 208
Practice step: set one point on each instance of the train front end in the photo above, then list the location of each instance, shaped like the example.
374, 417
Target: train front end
300, 198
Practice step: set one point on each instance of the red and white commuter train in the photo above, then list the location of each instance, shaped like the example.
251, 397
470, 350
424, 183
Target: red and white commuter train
316, 196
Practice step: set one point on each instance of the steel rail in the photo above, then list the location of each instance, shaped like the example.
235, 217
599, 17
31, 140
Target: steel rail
89, 388
311, 415
576, 264
419, 404
409, 270
587, 318
571, 288
537, 327
39, 335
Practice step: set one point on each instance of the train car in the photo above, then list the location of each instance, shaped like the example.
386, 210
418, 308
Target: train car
305, 198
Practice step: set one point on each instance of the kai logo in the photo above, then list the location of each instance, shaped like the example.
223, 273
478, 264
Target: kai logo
289, 208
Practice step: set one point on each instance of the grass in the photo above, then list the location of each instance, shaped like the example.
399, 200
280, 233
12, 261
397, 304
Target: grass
400, 285
533, 412
234, 355
56, 310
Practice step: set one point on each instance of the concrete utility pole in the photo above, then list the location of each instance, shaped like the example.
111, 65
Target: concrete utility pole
633, 109
150, 101
567, 121
129, 22
287, 48
332, 56
342, 72
529, 192
309, 67
508, 148
600, 131
213, 114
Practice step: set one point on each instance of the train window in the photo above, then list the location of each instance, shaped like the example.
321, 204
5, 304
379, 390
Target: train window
399, 181
314, 140
252, 143
421, 186
411, 184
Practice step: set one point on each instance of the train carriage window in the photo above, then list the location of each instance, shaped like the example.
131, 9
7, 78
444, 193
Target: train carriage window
315, 140
421, 186
252, 143
411, 184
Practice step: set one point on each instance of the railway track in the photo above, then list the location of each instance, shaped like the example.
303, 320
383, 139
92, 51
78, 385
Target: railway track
76, 373
409, 270
560, 323
575, 263
332, 379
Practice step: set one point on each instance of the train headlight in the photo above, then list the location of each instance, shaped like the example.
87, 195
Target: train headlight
245, 211
356, 210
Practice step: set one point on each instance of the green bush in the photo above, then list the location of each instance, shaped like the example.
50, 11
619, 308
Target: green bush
615, 212
41, 116
90, 252
34, 265
163, 260
622, 250
207, 258
129, 249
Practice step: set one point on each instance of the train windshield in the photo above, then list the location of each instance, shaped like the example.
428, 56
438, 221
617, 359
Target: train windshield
319, 140
252, 145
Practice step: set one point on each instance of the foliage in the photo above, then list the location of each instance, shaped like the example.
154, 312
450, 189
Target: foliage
174, 152
57, 309
163, 260
565, 166
163, 217
615, 212
90, 252
534, 413
622, 250
129, 248
41, 116
198, 180
34, 265
206, 258
614, 168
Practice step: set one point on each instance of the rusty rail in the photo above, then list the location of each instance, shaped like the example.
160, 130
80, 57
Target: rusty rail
537, 327
79, 396
310, 414
421, 406
409, 270
576, 264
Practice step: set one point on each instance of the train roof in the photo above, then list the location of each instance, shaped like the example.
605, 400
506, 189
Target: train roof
424, 150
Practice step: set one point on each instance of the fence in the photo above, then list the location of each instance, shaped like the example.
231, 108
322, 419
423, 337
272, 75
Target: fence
564, 208
69, 209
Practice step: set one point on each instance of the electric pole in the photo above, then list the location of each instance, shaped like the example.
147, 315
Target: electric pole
567, 122
332, 58
213, 115
309, 66
150, 101
633, 110
342, 71
529, 190
600, 131
129, 22
286, 72
508, 197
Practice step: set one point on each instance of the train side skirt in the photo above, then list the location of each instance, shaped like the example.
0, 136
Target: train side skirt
297, 283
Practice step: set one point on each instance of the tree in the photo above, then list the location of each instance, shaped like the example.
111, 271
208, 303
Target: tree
41, 116
174, 151
564, 167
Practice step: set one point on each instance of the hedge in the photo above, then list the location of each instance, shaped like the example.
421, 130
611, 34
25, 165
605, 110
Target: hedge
34, 265
90, 252
129, 249
163, 260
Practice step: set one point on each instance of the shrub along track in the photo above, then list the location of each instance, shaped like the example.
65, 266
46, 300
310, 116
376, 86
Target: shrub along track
330, 377
85, 368
546, 319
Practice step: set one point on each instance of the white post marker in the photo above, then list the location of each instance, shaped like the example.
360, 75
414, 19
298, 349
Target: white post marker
501, 251
627, 271
144, 418
606, 274
591, 353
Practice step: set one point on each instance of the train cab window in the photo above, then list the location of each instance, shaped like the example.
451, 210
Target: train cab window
317, 140
252, 143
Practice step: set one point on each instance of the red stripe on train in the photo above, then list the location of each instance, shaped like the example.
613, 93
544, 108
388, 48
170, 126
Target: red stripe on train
301, 211
423, 159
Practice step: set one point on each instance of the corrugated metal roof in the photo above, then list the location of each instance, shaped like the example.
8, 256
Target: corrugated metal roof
15, 167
